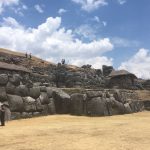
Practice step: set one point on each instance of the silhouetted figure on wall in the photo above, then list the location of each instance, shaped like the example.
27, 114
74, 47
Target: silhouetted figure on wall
26, 55
30, 56
2, 115
63, 61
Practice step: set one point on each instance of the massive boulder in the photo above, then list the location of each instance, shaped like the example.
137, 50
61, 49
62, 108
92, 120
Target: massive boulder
136, 105
15, 103
10, 88
34, 92
15, 79
22, 91
147, 104
97, 107
39, 106
44, 98
3, 96
107, 70
29, 104
115, 107
3, 79
51, 106
78, 104
92, 94
62, 101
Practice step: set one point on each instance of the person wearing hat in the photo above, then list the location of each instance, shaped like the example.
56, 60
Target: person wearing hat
2, 115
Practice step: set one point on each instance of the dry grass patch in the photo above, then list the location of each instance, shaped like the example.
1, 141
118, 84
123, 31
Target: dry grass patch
64, 132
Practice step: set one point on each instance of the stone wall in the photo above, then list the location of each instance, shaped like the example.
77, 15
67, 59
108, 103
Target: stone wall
26, 99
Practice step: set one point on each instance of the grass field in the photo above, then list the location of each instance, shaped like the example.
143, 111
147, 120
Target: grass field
65, 132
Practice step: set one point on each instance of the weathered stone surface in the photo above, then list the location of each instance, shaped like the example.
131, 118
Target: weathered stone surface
34, 92
22, 91
15, 79
62, 102
29, 104
49, 91
43, 89
147, 104
45, 110
44, 98
51, 106
3, 96
92, 94
115, 107
128, 109
3, 79
107, 70
10, 88
118, 96
15, 103
136, 105
78, 104
39, 106
97, 107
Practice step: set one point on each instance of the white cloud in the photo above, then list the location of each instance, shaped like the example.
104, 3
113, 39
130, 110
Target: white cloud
104, 23
38, 8
122, 42
90, 5
96, 18
19, 10
10, 22
5, 3
61, 11
50, 41
139, 64
121, 2
96, 62
86, 32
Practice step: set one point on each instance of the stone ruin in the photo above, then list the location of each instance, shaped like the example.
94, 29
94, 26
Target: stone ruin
46, 91
24, 99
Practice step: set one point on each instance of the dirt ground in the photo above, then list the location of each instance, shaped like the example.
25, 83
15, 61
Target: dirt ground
65, 132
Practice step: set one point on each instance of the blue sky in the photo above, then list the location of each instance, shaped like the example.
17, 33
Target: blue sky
110, 32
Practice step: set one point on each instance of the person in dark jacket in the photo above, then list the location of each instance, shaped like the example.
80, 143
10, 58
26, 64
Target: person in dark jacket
2, 116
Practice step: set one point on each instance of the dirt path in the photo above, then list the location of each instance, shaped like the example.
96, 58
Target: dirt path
64, 132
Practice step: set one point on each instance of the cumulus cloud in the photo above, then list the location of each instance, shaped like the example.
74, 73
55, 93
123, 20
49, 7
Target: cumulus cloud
90, 5
61, 11
5, 3
139, 64
52, 42
38, 8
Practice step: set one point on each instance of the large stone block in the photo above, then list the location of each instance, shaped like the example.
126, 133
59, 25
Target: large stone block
78, 104
15, 79
3, 96
22, 91
62, 101
10, 88
97, 107
92, 94
34, 92
44, 98
15, 103
29, 104
3, 79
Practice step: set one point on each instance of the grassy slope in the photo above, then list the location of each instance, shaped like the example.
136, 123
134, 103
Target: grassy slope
34, 62
64, 132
